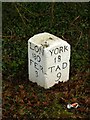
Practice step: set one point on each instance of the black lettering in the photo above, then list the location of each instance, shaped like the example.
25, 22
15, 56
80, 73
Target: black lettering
60, 49
41, 68
31, 61
42, 51
36, 65
58, 67
64, 65
65, 48
36, 48
58, 76
36, 73
34, 56
51, 52
39, 50
38, 58
56, 51
31, 46
57, 59
51, 68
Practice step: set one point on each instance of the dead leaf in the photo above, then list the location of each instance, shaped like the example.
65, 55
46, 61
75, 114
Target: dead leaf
21, 86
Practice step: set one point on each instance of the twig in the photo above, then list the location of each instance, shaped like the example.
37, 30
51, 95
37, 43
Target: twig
78, 40
11, 32
31, 13
87, 44
8, 37
26, 19
20, 14
75, 19
52, 12
64, 38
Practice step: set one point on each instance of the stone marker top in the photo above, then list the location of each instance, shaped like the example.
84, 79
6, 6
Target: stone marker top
46, 39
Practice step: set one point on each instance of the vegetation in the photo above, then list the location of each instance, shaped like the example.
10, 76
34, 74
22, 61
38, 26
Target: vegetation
23, 99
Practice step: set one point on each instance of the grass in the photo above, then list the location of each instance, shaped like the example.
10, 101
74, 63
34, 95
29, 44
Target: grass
23, 99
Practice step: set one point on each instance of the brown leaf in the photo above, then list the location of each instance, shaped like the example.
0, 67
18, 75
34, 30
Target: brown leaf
21, 86
21, 101
29, 103
21, 111
87, 101
62, 100
81, 109
74, 99
23, 93
45, 103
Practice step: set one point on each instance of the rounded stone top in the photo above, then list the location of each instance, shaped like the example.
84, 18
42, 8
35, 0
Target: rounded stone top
45, 39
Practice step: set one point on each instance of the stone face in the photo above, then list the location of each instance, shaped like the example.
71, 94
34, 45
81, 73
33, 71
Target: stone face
48, 59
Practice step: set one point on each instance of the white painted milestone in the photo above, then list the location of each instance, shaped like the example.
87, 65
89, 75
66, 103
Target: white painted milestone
48, 59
